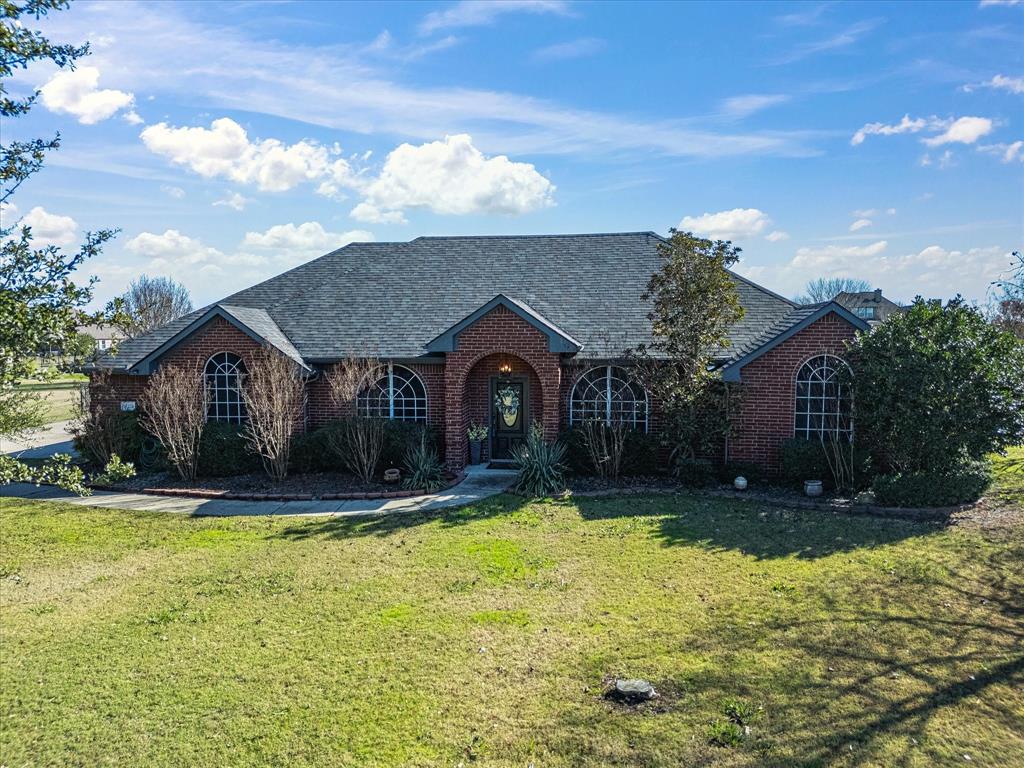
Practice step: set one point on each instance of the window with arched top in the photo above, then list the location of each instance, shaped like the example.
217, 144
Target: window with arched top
823, 399
224, 372
608, 393
398, 394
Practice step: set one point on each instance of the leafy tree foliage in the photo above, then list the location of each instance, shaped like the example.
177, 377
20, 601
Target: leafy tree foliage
40, 302
149, 303
827, 288
937, 386
694, 302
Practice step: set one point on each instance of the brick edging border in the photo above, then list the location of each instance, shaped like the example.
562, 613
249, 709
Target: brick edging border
188, 493
912, 513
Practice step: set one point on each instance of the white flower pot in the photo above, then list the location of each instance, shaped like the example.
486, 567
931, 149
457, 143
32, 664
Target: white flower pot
740, 483
813, 488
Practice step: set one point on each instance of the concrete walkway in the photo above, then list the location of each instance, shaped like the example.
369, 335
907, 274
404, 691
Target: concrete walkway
51, 439
479, 484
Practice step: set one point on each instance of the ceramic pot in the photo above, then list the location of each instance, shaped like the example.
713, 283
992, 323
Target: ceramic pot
812, 488
474, 451
740, 483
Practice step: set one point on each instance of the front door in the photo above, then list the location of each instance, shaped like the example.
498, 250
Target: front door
508, 417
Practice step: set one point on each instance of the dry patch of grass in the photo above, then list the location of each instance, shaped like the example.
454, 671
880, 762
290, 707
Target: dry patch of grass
486, 635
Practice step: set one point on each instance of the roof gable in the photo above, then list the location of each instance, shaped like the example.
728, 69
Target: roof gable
558, 340
799, 319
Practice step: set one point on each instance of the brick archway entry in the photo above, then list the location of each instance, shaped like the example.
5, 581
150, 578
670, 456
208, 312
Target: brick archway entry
499, 338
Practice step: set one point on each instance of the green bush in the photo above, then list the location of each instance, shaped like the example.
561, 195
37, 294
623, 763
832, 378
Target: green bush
802, 459
312, 452
640, 455
400, 437
933, 489
539, 464
693, 472
103, 435
223, 452
423, 470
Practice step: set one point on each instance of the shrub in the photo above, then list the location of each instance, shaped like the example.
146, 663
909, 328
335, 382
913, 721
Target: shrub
311, 452
274, 393
933, 489
802, 459
223, 451
539, 464
57, 470
115, 471
693, 472
639, 454
101, 435
725, 733
400, 437
937, 384
422, 467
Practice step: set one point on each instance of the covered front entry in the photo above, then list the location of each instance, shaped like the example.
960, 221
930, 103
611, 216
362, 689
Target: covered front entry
509, 415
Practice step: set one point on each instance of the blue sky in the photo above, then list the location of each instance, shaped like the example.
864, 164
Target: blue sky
229, 142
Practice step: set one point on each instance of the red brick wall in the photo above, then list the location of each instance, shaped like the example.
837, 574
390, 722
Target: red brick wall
768, 387
499, 332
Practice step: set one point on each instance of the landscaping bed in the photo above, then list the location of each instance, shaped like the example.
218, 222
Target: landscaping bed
258, 487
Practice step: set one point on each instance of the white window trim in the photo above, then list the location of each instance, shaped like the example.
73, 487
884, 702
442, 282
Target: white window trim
608, 395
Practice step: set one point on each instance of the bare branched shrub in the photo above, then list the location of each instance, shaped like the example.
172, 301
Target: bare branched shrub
839, 454
605, 446
274, 392
173, 409
359, 440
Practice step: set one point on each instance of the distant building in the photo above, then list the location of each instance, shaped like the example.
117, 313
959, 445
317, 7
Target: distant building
105, 335
868, 305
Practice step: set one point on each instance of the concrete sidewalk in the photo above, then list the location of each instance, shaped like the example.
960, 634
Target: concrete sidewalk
479, 484
51, 439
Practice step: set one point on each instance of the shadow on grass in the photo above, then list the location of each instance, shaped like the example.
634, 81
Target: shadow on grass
387, 524
760, 531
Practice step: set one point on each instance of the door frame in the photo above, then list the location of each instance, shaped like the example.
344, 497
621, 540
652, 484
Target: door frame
492, 390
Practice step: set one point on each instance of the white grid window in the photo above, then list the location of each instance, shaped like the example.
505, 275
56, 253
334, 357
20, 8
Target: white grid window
608, 394
224, 372
822, 401
399, 394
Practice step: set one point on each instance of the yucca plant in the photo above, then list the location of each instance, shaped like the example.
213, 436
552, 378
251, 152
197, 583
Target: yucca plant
539, 464
423, 469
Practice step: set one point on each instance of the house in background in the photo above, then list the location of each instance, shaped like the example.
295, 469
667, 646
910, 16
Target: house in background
869, 305
105, 336
503, 331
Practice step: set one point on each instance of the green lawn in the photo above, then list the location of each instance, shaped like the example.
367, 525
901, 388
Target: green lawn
483, 636
61, 395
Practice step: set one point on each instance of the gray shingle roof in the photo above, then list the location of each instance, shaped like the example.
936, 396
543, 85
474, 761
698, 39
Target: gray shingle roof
390, 299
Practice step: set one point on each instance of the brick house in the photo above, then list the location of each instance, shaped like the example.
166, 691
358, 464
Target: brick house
502, 331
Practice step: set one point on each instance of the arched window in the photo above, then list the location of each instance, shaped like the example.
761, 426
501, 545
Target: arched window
224, 372
398, 394
608, 394
822, 399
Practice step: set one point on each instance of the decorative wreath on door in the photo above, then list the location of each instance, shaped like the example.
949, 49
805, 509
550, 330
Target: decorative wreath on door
506, 401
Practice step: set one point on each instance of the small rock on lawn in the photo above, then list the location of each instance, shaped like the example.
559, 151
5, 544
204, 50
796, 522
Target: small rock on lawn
631, 691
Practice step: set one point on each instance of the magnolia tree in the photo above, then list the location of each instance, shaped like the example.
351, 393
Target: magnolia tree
358, 441
937, 386
274, 392
694, 302
173, 409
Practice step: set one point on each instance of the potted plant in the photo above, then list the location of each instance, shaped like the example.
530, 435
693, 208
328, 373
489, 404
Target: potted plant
477, 434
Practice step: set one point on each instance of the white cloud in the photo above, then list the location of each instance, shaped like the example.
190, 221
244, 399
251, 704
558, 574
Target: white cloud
998, 82
727, 225
77, 92
171, 191
832, 258
307, 237
945, 160
890, 211
993, 3
842, 39
453, 177
8, 215
47, 228
906, 125
372, 215
234, 200
865, 213
860, 224
963, 130
776, 236
224, 150
132, 117
748, 104
478, 13
1007, 153
573, 49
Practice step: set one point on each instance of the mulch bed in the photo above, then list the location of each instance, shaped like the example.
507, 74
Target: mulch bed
259, 487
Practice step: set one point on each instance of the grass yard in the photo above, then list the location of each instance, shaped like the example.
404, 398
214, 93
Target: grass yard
484, 636
60, 396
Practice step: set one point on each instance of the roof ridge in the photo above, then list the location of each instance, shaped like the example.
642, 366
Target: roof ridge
533, 237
